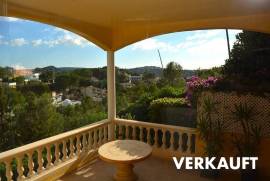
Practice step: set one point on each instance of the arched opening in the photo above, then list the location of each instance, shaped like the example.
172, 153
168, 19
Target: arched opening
143, 95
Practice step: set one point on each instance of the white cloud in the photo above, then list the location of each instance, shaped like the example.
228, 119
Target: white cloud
201, 49
197, 38
205, 34
9, 19
153, 44
63, 37
215, 45
37, 42
235, 31
205, 54
2, 41
18, 67
18, 42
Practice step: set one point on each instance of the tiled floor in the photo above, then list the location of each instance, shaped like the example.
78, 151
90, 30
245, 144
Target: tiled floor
152, 169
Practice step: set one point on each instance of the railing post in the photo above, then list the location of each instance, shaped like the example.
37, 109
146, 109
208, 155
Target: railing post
111, 93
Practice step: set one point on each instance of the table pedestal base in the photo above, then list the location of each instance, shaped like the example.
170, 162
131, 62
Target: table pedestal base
124, 172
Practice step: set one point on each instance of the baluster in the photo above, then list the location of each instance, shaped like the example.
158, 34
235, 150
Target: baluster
188, 143
148, 136
40, 162
71, 145
30, 165
127, 132
56, 154
163, 138
134, 132
120, 135
156, 137
180, 142
194, 144
8, 170
99, 136
84, 149
90, 140
95, 139
105, 134
78, 145
171, 140
20, 168
64, 150
141, 133
49, 156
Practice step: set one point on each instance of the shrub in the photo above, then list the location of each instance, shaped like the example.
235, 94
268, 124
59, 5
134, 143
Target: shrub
158, 104
170, 92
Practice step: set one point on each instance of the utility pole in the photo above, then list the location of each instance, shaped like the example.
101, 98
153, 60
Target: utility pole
160, 58
228, 43
161, 63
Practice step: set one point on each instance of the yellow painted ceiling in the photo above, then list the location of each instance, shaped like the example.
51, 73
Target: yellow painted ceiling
113, 24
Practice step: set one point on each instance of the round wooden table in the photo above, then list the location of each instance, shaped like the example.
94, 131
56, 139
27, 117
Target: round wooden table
123, 154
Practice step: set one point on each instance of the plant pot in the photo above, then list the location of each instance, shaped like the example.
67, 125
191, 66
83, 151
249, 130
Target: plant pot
210, 173
249, 175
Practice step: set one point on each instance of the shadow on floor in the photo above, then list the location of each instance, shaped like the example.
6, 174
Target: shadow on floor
152, 169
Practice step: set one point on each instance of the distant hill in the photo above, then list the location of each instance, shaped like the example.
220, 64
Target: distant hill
55, 69
135, 71
140, 70
157, 71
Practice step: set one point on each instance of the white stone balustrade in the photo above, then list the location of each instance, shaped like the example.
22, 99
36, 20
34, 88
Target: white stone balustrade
33, 160
40, 160
159, 136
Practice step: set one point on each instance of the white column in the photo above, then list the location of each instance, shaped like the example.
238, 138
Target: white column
3, 7
111, 93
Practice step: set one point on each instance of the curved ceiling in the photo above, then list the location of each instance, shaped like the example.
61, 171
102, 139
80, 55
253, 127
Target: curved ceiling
115, 24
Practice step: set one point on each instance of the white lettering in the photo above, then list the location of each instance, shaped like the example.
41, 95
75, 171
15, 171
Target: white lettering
237, 163
178, 164
209, 163
244, 162
253, 162
198, 163
189, 163
222, 163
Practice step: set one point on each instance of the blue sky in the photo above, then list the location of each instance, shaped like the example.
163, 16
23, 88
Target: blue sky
27, 44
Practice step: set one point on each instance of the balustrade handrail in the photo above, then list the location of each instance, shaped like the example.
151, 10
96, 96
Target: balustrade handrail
156, 125
26, 148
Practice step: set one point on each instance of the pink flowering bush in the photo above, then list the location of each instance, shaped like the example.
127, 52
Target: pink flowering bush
195, 85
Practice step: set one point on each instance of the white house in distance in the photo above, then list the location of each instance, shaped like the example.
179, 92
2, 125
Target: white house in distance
68, 102
34, 76
135, 78
95, 93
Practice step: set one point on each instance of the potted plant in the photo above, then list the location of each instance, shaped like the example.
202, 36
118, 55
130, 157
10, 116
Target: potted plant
210, 132
248, 140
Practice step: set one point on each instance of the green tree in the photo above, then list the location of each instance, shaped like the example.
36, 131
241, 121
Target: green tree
148, 76
213, 72
36, 87
173, 73
64, 81
11, 104
39, 119
5, 73
249, 56
47, 76
19, 80
121, 76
